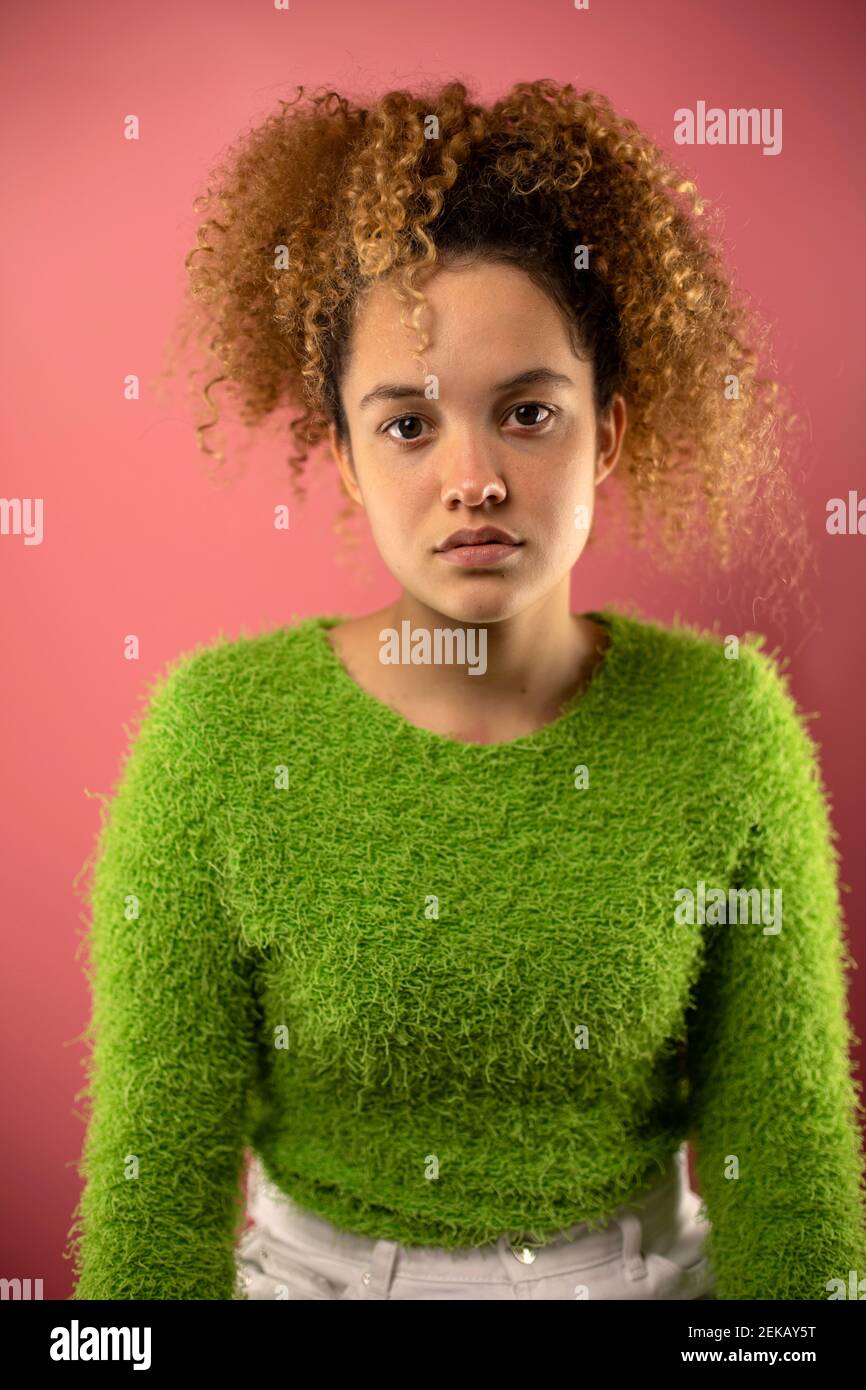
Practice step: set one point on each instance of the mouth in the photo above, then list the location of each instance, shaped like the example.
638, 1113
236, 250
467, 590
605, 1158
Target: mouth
487, 553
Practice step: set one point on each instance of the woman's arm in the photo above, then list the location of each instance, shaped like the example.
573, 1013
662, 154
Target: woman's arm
172, 1027
774, 1108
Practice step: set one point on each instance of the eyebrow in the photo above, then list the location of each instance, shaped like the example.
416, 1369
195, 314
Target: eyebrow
536, 376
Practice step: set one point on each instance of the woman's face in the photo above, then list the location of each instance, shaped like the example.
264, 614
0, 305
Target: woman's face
474, 450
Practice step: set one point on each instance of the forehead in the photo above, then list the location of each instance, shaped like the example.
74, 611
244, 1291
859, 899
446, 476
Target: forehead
480, 317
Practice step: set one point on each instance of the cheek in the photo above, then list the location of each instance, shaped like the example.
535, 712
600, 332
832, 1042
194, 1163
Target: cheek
394, 513
559, 499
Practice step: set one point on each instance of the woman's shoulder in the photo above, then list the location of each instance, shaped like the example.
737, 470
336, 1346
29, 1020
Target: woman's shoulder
680, 652
214, 660
732, 676
223, 678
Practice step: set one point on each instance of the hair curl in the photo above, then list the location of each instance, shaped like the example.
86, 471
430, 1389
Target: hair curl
325, 197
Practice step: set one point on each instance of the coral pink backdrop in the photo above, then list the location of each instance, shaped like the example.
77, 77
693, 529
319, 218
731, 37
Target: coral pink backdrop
136, 539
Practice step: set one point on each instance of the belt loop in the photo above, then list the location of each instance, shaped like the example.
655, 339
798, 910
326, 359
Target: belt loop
377, 1277
633, 1261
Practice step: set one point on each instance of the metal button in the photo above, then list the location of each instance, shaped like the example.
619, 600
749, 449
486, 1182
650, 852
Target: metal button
524, 1255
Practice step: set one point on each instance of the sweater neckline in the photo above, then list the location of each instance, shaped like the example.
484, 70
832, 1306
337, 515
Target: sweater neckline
586, 699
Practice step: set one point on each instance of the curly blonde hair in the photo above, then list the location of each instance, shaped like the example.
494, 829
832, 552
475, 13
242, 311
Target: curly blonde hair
325, 197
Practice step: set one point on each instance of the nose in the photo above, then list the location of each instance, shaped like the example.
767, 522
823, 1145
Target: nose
472, 482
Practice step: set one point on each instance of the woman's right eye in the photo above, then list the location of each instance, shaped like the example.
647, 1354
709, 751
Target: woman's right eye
401, 420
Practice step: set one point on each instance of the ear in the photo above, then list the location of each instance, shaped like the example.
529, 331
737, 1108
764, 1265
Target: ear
346, 468
611, 436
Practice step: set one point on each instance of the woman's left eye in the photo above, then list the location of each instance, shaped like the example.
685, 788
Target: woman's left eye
532, 405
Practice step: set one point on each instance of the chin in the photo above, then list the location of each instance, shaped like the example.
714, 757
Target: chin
480, 609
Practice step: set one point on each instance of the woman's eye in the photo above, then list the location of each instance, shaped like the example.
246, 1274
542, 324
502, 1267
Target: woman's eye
532, 405
402, 421
410, 425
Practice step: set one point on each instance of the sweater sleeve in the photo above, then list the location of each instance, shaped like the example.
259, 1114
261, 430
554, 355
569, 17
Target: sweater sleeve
172, 1054
774, 1109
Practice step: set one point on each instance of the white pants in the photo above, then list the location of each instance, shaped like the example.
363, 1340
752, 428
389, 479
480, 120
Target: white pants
651, 1248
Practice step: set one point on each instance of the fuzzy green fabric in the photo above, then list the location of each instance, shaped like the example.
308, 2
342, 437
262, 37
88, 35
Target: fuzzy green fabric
441, 988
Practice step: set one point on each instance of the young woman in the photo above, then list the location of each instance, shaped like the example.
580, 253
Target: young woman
466, 915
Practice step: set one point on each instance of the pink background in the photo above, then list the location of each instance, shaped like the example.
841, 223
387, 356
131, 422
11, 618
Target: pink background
137, 540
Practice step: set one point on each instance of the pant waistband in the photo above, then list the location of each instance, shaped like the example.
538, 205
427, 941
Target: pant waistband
642, 1218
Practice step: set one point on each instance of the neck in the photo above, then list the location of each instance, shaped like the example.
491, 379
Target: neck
533, 660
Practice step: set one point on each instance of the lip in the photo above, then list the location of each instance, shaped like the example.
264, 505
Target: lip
492, 553
482, 535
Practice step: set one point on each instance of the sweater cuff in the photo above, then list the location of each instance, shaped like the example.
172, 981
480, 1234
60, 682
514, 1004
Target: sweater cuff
792, 1255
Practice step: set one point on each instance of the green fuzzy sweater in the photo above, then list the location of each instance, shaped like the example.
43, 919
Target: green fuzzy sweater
448, 991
